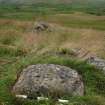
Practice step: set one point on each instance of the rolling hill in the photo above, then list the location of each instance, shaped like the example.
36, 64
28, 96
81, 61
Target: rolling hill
89, 6
52, 1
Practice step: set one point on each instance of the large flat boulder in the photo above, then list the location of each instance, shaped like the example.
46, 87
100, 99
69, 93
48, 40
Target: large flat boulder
49, 80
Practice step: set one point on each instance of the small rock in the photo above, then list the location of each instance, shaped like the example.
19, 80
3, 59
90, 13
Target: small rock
41, 26
97, 62
63, 101
41, 98
21, 96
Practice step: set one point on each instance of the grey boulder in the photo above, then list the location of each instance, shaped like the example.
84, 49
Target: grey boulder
41, 26
49, 80
97, 62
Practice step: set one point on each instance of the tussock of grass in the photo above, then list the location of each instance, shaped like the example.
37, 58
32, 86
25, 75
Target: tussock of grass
8, 40
11, 51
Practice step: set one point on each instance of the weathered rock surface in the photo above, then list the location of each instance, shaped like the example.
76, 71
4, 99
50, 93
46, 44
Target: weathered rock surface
97, 62
49, 80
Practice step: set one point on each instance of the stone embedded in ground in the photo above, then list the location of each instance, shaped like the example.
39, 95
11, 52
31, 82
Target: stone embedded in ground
97, 62
41, 26
49, 80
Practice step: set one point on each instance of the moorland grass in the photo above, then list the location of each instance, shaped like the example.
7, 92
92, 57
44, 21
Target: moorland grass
20, 48
94, 80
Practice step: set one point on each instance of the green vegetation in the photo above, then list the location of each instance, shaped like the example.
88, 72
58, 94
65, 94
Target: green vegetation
77, 26
30, 11
94, 80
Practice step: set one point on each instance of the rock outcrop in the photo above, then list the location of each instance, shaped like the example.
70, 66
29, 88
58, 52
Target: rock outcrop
97, 62
49, 80
41, 26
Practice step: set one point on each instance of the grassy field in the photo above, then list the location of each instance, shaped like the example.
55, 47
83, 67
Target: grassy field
95, 7
20, 47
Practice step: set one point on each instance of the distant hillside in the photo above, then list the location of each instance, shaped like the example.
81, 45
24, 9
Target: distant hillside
96, 7
35, 1
51, 1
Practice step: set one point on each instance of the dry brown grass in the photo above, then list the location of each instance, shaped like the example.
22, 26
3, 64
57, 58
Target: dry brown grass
91, 40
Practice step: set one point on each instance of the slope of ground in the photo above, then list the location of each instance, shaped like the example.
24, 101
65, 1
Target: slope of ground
72, 31
20, 46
